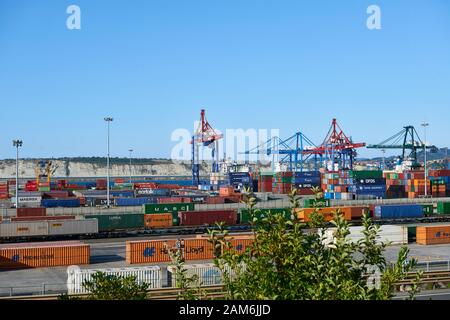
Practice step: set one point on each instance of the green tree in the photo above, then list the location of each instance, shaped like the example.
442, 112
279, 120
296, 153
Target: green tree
190, 286
286, 262
107, 287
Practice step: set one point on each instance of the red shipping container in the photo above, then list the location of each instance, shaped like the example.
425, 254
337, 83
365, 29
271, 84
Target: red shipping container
31, 212
145, 185
55, 195
198, 218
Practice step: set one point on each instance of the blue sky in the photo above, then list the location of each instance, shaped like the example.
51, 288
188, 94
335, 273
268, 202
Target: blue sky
292, 65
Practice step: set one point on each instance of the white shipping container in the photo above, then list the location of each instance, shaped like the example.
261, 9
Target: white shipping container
76, 276
29, 199
208, 274
63, 227
395, 235
23, 229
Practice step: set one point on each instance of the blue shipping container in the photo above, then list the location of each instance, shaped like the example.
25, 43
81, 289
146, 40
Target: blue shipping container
130, 202
370, 181
122, 194
398, 211
307, 174
314, 180
65, 203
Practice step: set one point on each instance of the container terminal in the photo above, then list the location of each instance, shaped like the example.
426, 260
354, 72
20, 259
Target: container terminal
121, 224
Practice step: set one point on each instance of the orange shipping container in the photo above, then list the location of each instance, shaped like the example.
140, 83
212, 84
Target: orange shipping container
433, 235
139, 252
198, 249
43, 255
158, 220
328, 213
240, 245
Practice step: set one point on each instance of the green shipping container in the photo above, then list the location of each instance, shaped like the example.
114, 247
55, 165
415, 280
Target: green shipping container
175, 219
309, 203
167, 208
412, 234
428, 209
443, 208
367, 174
244, 214
111, 222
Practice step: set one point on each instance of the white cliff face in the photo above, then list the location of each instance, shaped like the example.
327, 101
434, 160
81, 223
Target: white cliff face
72, 169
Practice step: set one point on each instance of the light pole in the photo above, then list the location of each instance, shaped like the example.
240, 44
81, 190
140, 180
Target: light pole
384, 158
131, 152
108, 121
425, 125
17, 144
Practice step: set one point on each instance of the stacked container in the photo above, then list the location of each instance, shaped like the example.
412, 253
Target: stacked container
282, 182
240, 179
4, 190
172, 208
440, 182
265, 182
305, 181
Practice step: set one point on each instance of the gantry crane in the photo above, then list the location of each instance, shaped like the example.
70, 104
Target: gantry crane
337, 149
407, 140
205, 136
291, 151
44, 170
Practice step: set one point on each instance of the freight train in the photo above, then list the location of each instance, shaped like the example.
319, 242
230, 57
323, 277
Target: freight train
182, 219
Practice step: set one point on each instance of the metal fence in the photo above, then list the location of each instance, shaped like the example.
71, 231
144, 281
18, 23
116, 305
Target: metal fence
44, 289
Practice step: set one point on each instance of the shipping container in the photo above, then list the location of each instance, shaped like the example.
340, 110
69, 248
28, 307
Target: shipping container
31, 212
66, 203
430, 235
140, 252
119, 221
393, 235
349, 213
167, 208
443, 207
197, 249
204, 275
164, 220
245, 218
43, 255
23, 229
398, 211
49, 218
76, 277
72, 227
198, 218
130, 202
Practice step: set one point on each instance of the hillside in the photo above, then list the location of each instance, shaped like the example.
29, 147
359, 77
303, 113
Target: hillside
96, 167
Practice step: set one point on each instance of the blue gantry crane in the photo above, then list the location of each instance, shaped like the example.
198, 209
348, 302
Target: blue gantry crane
292, 151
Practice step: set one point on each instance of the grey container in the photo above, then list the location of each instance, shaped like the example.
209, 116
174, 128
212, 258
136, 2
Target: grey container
71, 227
23, 229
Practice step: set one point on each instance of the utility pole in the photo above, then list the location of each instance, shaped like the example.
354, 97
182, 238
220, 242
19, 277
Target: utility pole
108, 121
17, 144
425, 125
131, 152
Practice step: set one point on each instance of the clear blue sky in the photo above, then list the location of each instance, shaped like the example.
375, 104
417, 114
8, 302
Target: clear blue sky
153, 64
